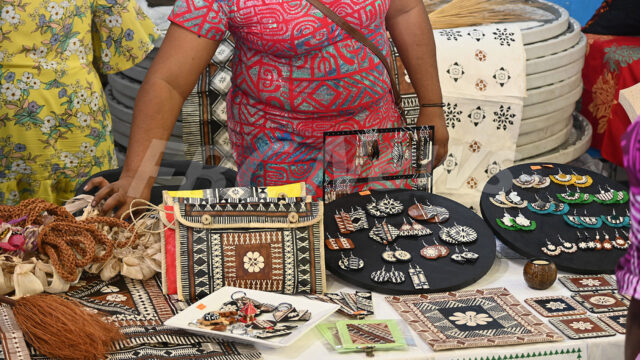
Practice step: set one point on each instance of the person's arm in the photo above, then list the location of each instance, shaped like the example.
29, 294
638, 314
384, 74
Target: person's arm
410, 29
167, 84
632, 343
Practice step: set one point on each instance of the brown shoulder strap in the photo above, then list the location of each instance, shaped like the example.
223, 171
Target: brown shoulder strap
359, 36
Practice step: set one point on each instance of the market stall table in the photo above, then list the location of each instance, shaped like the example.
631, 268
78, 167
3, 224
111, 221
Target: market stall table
504, 273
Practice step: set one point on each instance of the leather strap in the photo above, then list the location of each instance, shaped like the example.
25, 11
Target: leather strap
359, 36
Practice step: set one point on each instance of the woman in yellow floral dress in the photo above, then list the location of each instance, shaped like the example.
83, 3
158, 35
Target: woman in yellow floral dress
55, 126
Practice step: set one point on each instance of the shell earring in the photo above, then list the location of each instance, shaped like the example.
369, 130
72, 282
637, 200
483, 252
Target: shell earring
551, 249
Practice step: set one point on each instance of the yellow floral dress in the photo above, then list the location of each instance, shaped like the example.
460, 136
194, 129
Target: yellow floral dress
55, 126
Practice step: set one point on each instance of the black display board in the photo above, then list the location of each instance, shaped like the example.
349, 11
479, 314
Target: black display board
530, 243
442, 274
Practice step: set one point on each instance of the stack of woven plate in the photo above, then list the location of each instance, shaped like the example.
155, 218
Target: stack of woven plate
555, 55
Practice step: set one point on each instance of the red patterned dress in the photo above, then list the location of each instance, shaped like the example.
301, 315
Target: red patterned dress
295, 75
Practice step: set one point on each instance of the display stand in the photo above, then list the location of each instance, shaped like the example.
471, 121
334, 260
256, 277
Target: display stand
442, 274
548, 226
393, 158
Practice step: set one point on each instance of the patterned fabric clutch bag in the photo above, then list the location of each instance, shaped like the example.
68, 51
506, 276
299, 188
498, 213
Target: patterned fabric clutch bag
260, 243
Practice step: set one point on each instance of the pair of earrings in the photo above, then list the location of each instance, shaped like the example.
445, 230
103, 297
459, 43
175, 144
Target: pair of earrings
384, 207
551, 207
510, 200
575, 179
580, 222
616, 221
465, 257
339, 243
520, 222
554, 250
433, 252
528, 181
383, 232
415, 229
457, 234
351, 263
349, 222
611, 196
396, 255
575, 197
394, 276
418, 278
428, 212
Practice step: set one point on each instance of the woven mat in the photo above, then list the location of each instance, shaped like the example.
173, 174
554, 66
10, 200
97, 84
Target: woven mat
471, 318
140, 309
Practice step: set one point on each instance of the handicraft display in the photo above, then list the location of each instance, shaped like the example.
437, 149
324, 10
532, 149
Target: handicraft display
582, 327
392, 158
617, 321
471, 318
575, 217
270, 244
433, 244
355, 305
601, 301
580, 283
252, 316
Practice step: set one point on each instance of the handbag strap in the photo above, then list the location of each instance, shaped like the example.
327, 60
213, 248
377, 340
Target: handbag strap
360, 37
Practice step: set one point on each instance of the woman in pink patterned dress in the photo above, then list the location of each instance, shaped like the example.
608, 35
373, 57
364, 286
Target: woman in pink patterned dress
295, 75
628, 269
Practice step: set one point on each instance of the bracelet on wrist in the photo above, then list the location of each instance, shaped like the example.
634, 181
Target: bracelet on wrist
440, 104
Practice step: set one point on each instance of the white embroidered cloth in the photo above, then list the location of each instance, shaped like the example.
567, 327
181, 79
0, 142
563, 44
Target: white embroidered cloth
482, 72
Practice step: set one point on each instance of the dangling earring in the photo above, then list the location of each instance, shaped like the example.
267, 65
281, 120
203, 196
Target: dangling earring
562, 179
388, 255
567, 246
401, 255
457, 257
540, 206
524, 181
396, 277
583, 244
351, 263
620, 243
551, 249
429, 252
597, 242
607, 244
397, 153
418, 278
380, 276
582, 180
469, 255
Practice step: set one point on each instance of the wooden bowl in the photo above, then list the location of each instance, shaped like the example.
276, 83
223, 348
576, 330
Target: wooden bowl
540, 273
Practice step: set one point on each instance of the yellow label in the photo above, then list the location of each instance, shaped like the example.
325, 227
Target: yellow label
291, 190
186, 193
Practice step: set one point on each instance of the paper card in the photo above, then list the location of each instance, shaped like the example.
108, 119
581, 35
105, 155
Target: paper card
360, 334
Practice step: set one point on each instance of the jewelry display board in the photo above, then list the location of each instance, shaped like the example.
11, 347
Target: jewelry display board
593, 254
441, 274
377, 159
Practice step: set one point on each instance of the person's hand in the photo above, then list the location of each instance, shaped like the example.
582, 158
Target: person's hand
118, 195
435, 116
